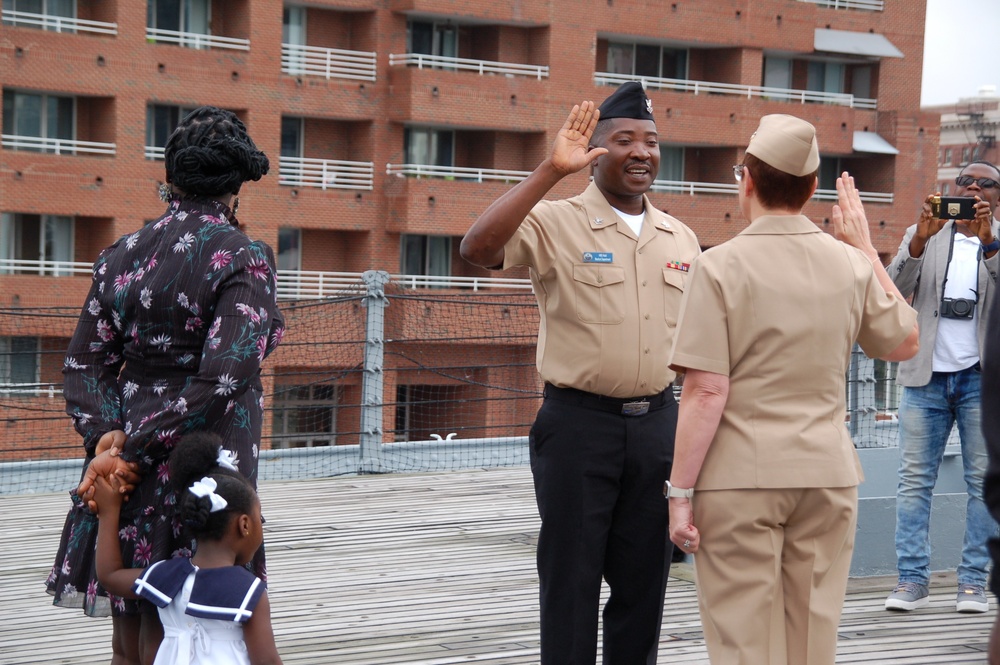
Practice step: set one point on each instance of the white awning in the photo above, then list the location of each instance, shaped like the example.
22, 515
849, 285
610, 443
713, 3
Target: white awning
872, 142
855, 43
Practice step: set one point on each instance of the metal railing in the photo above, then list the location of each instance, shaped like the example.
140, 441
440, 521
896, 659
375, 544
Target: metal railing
331, 63
662, 186
196, 40
871, 5
56, 146
57, 23
325, 173
154, 153
748, 91
31, 389
37, 267
454, 173
422, 60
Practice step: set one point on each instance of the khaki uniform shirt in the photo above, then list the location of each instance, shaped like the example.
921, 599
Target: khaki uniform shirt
608, 301
778, 309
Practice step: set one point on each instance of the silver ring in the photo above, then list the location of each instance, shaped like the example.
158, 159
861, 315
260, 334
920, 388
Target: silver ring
687, 544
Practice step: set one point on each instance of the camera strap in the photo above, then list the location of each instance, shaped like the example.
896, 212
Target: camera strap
947, 265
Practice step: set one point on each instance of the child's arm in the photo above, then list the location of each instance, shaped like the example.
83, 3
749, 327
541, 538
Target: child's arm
259, 636
111, 573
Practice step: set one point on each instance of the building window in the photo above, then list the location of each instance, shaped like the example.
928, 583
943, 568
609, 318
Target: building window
777, 73
289, 248
191, 16
293, 33
648, 60
49, 8
161, 121
432, 38
829, 171
38, 116
946, 189
291, 137
947, 156
305, 416
425, 255
966, 155
19, 365
671, 163
36, 244
825, 77
430, 147
421, 410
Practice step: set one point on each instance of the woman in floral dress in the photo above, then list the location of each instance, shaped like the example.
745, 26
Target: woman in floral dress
171, 337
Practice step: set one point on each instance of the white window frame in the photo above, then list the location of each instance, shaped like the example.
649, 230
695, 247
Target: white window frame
295, 255
7, 384
429, 252
286, 400
12, 243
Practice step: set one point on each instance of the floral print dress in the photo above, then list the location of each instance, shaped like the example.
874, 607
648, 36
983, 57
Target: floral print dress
179, 317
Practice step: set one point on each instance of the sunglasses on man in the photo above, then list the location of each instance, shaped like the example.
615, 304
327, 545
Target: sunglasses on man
984, 183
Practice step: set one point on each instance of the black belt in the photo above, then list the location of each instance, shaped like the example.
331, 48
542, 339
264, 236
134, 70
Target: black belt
625, 406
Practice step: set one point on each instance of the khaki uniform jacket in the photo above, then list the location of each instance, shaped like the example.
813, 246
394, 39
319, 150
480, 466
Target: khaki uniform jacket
778, 309
608, 301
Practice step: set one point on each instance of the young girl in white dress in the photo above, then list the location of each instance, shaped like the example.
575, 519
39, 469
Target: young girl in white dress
214, 611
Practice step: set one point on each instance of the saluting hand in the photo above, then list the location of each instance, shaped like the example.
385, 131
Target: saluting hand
571, 151
850, 224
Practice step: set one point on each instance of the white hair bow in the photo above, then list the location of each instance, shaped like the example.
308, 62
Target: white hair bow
206, 487
227, 459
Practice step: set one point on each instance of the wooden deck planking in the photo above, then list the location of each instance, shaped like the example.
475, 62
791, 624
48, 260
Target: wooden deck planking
422, 569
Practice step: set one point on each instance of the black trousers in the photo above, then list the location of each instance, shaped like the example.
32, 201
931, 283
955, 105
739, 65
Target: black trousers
598, 479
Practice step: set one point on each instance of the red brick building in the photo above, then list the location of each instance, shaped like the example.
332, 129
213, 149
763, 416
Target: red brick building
969, 131
391, 124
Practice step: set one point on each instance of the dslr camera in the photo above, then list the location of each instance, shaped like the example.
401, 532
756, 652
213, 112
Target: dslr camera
953, 207
957, 308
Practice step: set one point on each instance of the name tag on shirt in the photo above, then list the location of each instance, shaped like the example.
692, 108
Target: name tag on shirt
598, 257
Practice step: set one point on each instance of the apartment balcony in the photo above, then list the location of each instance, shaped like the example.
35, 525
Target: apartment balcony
481, 67
325, 173
329, 63
52, 23
455, 173
44, 268
196, 40
696, 188
869, 5
55, 146
746, 91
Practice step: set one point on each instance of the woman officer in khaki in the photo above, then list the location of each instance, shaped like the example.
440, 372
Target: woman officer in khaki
764, 482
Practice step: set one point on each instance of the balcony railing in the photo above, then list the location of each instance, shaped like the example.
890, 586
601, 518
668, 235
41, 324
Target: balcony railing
664, 186
57, 23
292, 283
748, 91
196, 40
31, 389
454, 173
871, 5
56, 146
331, 63
37, 267
154, 152
325, 173
300, 284
422, 60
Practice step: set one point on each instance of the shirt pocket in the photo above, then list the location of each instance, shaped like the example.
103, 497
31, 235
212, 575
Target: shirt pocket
674, 281
599, 292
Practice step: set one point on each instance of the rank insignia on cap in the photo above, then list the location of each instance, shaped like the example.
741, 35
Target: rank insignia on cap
677, 265
649, 105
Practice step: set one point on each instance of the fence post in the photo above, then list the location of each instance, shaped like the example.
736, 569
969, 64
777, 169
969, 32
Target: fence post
861, 405
373, 378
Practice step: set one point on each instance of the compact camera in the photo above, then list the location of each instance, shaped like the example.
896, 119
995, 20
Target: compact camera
957, 308
953, 207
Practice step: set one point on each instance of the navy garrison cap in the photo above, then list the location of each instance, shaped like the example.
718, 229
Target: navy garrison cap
628, 101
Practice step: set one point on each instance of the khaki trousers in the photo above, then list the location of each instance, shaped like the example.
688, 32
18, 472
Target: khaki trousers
772, 571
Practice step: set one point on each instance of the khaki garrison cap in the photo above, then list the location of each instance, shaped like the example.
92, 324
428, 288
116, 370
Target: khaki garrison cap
787, 143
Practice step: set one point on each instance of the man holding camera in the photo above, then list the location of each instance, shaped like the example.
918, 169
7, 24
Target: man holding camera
947, 262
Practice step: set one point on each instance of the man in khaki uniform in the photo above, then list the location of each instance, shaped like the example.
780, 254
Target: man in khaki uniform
763, 455
608, 270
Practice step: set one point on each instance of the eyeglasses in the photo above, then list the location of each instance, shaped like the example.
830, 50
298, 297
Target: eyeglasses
966, 180
738, 172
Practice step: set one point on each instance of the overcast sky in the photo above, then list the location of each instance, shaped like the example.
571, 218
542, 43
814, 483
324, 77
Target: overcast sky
961, 49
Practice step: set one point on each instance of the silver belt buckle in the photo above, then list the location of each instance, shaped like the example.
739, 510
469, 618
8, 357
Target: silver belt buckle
635, 408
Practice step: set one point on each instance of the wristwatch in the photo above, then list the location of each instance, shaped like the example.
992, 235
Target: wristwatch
993, 246
672, 492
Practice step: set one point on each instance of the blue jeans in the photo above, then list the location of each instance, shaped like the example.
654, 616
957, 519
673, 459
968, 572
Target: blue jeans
926, 416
